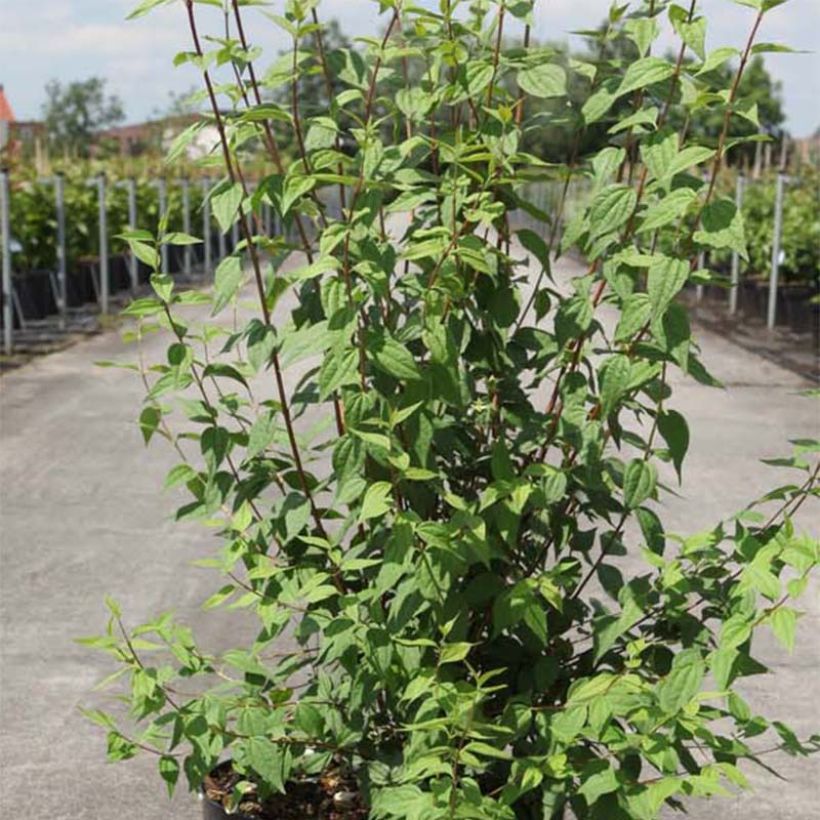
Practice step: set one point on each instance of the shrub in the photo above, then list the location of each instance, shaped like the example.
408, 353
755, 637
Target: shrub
800, 239
437, 512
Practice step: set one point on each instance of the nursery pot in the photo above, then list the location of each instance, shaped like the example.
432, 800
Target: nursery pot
35, 295
800, 313
309, 799
211, 810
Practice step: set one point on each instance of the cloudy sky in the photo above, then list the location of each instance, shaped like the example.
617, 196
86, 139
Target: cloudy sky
75, 39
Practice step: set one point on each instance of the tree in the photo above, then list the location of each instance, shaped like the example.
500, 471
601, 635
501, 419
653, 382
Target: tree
74, 112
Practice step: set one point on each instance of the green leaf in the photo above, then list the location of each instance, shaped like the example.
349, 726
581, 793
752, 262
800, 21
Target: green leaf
163, 285
611, 209
659, 151
454, 652
543, 80
735, 631
783, 622
146, 253
689, 156
644, 72
145, 6
683, 682
377, 500
665, 279
227, 281
150, 419
717, 58
614, 382
675, 431
321, 133
667, 210
722, 227
225, 205
267, 759
169, 772
295, 188
692, 33
639, 482
393, 358
261, 434
177, 238
599, 784
597, 105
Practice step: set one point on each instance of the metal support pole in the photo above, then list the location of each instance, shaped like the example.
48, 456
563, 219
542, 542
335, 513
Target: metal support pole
206, 226
186, 224
739, 185
778, 228
133, 262
234, 235
266, 209
223, 251
62, 261
702, 255
162, 191
100, 182
5, 238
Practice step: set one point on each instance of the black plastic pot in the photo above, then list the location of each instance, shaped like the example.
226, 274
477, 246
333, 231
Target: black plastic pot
35, 294
798, 311
119, 273
211, 810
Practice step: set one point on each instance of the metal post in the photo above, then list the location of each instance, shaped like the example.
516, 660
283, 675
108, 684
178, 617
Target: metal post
162, 190
266, 209
186, 224
133, 262
100, 183
234, 235
778, 228
5, 238
223, 252
206, 225
702, 254
62, 262
739, 185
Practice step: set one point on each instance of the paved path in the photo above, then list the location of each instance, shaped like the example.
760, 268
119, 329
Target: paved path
83, 515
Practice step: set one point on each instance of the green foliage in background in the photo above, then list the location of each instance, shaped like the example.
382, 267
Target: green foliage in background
34, 216
435, 469
800, 240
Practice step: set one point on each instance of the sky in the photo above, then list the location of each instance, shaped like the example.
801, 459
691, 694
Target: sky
75, 39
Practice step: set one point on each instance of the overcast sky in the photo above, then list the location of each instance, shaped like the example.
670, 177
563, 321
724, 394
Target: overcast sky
75, 39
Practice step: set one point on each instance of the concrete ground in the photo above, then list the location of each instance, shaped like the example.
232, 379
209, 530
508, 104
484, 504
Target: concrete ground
83, 515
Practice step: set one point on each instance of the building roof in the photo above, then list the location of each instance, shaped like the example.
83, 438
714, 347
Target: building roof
6, 113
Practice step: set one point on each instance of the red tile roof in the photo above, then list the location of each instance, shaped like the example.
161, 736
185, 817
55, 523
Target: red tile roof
6, 114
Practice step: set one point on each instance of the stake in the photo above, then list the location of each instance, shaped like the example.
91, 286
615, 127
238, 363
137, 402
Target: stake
266, 209
62, 262
162, 190
186, 224
739, 185
222, 250
702, 254
206, 225
133, 262
5, 238
778, 228
104, 283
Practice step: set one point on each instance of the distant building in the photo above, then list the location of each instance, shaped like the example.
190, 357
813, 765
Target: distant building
807, 150
17, 137
157, 135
